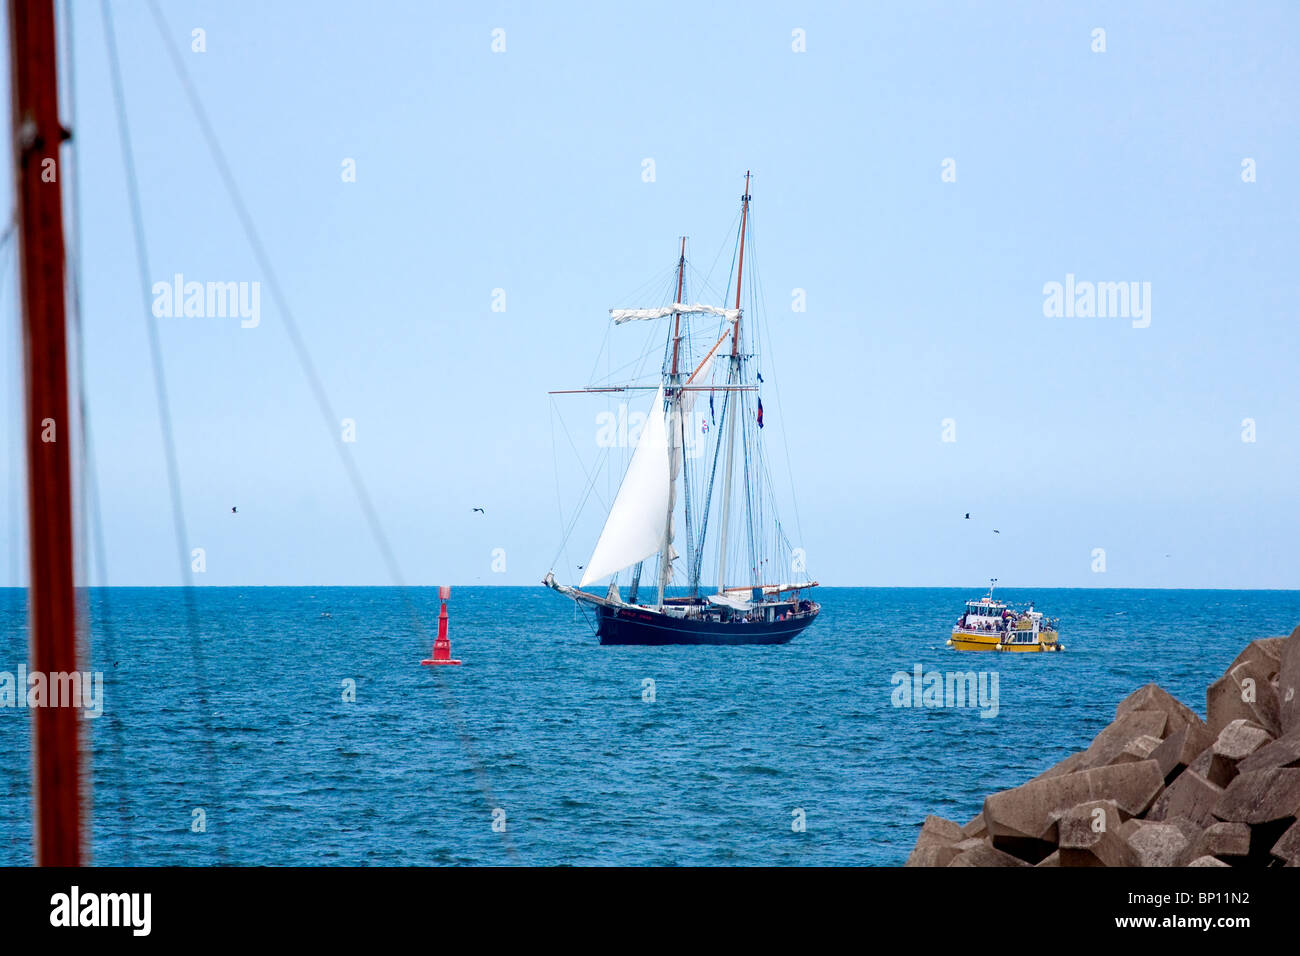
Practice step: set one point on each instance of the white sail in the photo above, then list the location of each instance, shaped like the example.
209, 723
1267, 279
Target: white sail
632, 315
679, 420
635, 527
675, 422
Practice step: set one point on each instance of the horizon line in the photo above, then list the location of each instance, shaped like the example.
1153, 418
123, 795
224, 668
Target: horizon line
861, 587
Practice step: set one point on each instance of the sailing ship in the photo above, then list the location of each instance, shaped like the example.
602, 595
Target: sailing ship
712, 469
991, 625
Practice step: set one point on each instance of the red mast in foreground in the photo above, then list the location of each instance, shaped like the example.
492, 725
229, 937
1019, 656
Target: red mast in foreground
37, 135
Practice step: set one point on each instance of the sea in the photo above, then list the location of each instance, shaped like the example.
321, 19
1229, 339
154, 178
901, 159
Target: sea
296, 726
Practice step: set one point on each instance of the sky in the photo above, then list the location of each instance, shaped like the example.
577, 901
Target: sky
921, 171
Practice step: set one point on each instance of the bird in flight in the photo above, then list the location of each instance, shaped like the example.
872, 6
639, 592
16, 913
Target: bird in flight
480, 511
996, 531
234, 511
968, 516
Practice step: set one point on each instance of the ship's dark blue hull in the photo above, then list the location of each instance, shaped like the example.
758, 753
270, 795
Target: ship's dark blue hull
629, 625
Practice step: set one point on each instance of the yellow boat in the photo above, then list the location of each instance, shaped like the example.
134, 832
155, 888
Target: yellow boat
990, 625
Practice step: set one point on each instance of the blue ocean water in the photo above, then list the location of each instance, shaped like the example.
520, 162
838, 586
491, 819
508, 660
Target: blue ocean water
548, 727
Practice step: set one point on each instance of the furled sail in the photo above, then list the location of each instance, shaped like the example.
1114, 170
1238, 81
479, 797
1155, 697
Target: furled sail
635, 527
735, 603
631, 315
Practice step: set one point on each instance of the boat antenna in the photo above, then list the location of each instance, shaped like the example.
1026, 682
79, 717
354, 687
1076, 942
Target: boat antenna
992, 582
38, 134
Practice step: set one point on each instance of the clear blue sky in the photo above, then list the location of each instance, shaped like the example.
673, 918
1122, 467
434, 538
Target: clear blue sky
522, 171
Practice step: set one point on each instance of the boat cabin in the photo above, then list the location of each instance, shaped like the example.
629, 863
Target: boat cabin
984, 613
727, 608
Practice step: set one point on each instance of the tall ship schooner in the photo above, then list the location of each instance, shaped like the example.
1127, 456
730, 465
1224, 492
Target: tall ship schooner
697, 486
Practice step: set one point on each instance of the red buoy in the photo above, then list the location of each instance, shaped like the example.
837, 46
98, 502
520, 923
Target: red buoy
442, 646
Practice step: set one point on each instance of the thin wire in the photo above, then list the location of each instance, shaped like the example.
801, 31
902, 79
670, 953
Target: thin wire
785, 438
559, 501
164, 420
76, 386
320, 396
590, 489
91, 514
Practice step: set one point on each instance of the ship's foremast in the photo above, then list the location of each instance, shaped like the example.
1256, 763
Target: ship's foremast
675, 422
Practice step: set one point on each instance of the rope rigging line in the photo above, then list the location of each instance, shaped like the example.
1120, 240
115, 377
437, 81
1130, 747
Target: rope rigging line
588, 491
781, 417
165, 425
322, 401
90, 510
559, 500
605, 347
733, 228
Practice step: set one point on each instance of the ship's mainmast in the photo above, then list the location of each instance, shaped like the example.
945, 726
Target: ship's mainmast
733, 377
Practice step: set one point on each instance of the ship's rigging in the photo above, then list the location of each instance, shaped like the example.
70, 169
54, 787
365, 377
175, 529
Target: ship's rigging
696, 498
